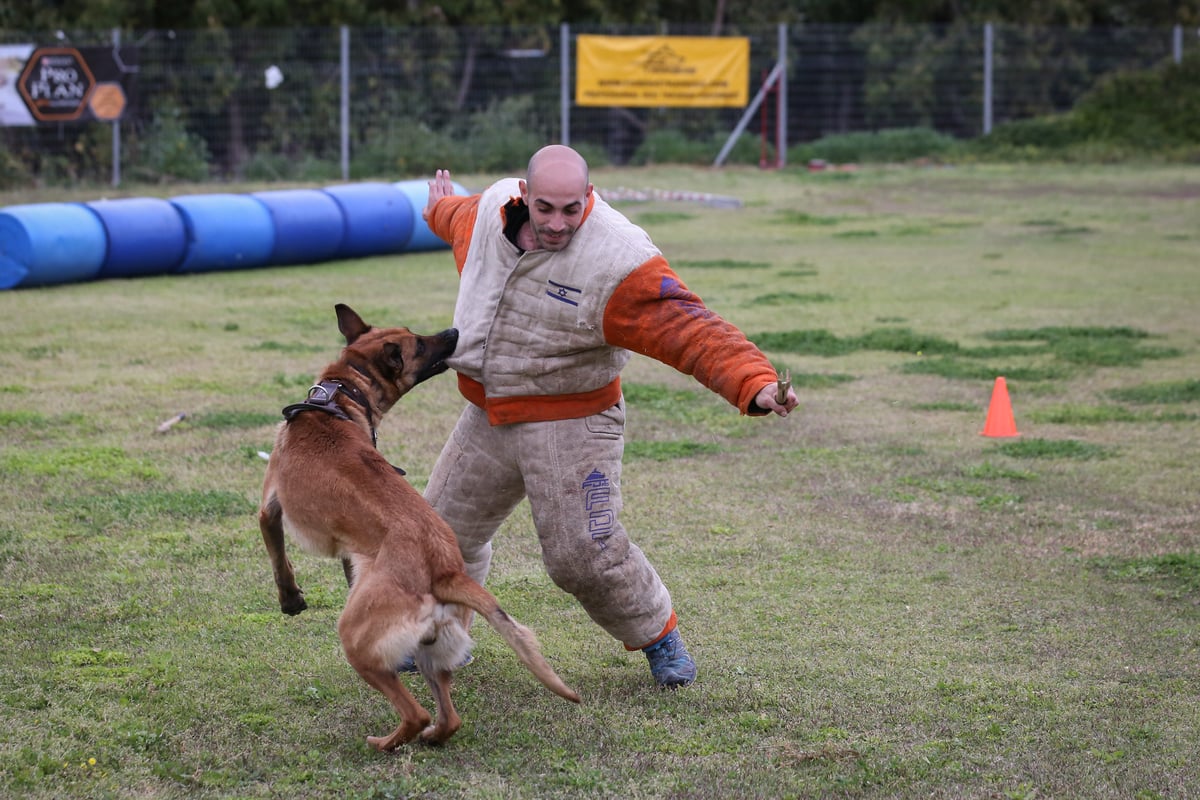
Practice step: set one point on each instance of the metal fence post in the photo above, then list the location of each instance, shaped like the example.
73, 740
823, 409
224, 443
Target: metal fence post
781, 120
1177, 43
771, 82
116, 125
345, 115
564, 61
987, 77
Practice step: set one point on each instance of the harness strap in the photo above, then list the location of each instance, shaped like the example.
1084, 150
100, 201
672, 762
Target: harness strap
320, 398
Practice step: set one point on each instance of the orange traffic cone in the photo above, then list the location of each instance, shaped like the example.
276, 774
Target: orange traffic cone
1000, 422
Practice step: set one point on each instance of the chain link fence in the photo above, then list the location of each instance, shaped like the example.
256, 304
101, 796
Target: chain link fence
330, 103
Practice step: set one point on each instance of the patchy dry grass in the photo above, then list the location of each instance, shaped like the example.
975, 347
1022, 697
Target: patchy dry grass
883, 603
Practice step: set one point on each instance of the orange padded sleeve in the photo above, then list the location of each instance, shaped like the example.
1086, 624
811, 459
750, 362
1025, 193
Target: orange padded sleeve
653, 313
452, 220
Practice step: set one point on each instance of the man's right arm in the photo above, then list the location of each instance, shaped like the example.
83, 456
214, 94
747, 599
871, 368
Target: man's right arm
441, 186
451, 217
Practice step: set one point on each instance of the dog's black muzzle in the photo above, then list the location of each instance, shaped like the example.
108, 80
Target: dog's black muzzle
443, 345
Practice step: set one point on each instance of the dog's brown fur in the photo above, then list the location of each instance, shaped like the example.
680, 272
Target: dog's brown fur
329, 488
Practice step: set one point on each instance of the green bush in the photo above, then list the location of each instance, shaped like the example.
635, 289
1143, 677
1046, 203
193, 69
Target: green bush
1038, 133
498, 139
406, 149
1128, 115
13, 172
1151, 108
168, 150
899, 144
1029, 139
667, 147
267, 167
595, 155
68, 156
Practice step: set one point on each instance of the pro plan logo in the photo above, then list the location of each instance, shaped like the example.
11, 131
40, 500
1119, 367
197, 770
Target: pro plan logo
56, 84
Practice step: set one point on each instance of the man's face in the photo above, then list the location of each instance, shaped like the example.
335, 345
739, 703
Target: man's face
556, 204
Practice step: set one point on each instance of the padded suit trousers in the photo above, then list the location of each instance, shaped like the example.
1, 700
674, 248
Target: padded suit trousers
570, 470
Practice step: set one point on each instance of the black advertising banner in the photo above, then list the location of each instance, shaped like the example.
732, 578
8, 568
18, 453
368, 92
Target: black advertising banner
70, 84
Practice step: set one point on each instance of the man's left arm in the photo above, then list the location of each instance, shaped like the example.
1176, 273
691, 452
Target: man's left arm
653, 313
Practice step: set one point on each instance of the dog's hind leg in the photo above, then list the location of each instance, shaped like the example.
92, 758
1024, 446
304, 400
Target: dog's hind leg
413, 718
377, 629
448, 722
436, 659
270, 521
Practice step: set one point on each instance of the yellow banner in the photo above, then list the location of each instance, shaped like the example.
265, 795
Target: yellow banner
694, 71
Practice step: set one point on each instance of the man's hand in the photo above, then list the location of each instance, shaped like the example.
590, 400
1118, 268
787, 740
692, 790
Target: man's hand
766, 399
439, 187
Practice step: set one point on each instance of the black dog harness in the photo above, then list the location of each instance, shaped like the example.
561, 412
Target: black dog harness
320, 398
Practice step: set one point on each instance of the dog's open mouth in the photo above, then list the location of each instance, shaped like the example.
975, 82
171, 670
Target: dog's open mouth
436, 368
447, 341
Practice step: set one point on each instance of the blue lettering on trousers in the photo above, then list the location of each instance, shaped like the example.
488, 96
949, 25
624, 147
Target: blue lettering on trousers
596, 497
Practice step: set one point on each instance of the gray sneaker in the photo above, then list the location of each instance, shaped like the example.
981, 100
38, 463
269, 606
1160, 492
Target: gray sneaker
670, 663
409, 665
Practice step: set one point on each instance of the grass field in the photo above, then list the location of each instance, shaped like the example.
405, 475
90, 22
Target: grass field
882, 602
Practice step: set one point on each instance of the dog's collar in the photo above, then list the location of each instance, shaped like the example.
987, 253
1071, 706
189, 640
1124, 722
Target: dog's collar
358, 397
320, 398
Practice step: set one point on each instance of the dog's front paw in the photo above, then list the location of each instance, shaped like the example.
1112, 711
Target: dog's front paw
292, 603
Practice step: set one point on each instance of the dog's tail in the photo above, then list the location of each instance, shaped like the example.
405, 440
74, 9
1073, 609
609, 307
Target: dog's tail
461, 589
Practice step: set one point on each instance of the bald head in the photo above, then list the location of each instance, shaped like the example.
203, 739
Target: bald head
556, 191
557, 163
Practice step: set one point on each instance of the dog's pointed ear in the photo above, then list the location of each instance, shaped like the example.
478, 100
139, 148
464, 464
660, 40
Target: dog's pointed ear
394, 356
350, 323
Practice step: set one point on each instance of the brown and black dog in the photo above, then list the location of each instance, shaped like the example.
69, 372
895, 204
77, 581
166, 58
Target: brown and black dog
330, 489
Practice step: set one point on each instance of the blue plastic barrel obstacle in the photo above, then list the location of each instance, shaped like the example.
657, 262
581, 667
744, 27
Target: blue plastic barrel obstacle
50, 243
379, 219
225, 231
309, 225
417, 192
46, 243
146, 236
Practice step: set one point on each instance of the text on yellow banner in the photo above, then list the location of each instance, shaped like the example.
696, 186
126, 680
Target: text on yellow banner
694, 71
